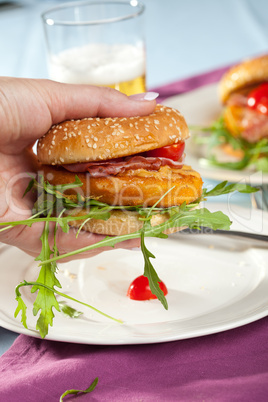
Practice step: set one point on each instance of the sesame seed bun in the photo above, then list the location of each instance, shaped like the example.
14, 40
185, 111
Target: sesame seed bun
243, 76
98, 139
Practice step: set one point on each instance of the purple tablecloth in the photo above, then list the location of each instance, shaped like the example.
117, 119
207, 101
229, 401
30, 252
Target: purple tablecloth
229, 366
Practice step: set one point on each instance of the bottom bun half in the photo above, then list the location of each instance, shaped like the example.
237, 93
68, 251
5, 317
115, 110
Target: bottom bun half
121, 222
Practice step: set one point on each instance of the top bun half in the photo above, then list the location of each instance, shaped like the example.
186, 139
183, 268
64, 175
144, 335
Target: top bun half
246, 74
99, 139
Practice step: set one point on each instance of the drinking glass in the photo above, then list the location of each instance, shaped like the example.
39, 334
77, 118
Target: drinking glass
99, 43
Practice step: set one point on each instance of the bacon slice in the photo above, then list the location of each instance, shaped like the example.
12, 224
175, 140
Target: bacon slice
114, 167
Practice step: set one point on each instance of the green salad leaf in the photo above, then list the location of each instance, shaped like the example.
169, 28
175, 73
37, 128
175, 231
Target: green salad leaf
53, 205
255, 154
80, 391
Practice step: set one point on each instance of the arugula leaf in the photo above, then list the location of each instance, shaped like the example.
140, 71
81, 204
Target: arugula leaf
225, 188
69, 311
45, 300
21, 307
42, 285
151, 274
78, 391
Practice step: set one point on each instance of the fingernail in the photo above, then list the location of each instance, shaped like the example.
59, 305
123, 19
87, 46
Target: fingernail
148, 96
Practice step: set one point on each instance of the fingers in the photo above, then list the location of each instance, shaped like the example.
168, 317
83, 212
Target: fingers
29, 107
28, 239
69, 242
78, 101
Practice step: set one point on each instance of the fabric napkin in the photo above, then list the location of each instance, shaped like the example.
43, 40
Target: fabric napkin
228, 366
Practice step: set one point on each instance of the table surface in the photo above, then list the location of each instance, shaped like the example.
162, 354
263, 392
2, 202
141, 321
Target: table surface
183, 38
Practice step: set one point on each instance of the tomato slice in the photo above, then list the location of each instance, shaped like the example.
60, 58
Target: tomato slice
173, 152
139, 289
258, 99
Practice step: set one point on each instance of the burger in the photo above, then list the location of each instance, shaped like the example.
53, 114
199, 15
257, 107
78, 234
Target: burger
124, 162
243, 91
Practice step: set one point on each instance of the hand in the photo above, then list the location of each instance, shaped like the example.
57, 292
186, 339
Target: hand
28, 108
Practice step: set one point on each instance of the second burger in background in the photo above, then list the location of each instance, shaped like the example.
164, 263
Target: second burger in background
242, 131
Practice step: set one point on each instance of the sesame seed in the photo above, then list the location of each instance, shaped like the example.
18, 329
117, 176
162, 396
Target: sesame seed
94, 145
61, 159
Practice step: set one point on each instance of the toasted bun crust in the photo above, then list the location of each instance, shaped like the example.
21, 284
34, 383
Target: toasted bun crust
134, 187
97, 139
246, 74
120, 223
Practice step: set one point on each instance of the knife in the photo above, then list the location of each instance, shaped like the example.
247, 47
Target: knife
236, 233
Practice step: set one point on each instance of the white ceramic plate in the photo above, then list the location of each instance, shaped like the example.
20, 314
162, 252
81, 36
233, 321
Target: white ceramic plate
214, 283
201, 107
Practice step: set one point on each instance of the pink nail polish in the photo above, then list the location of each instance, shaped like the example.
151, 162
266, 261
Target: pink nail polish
145, 96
